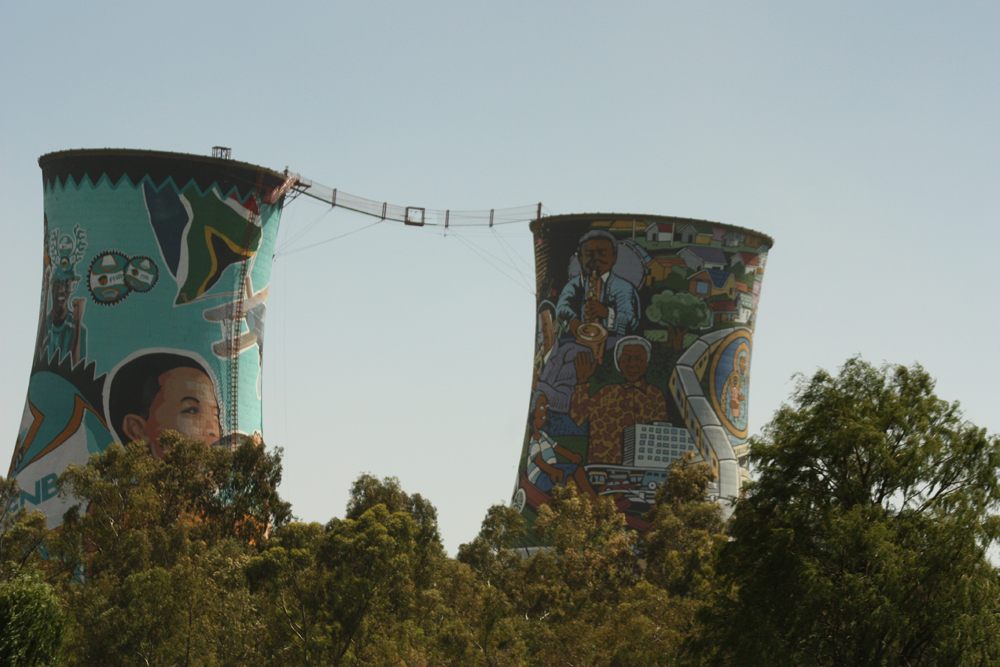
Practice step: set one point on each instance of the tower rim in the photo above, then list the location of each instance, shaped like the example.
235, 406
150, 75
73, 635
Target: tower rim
538, 224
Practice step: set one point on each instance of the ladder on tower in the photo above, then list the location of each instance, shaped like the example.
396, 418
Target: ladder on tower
253, 220
235, 333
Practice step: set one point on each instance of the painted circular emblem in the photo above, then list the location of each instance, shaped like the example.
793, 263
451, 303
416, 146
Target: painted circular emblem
519, 499
141, 274
107, 278
729, 381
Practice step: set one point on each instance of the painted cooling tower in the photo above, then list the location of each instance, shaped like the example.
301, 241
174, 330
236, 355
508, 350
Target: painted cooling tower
156, 269
643, 347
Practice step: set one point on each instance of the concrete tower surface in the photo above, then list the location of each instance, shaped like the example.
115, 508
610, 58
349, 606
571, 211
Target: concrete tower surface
155, 275
643, 348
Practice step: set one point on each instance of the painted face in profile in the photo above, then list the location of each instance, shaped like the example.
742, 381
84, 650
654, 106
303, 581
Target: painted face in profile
633, 362
185, 403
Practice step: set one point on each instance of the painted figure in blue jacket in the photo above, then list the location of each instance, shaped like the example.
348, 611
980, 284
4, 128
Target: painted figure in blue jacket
597, 294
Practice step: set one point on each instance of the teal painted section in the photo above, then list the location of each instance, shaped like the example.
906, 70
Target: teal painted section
140, 286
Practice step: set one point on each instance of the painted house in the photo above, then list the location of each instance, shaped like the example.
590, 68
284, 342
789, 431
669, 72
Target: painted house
744, 306
750, 261
632, 227
660, 268
699, 257
733, 239
723, 311
685, 234
712, 282
660, 232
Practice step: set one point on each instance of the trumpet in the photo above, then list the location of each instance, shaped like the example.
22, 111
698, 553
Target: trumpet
592, 334
593, 290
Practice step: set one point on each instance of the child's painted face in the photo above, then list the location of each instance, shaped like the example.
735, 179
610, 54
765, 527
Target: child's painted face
186, 404
541, 413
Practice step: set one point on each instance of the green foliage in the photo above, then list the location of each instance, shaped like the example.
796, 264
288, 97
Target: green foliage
22, 532
490, 614
574, 586
864, 540
676, 280
31, 622
170, 579
587, 599
358, 590
285, 573
742, 275
679, 310
862, 543
339, 582
161, 558
491, 555
686, 533
369, 491
245, 504
194, 612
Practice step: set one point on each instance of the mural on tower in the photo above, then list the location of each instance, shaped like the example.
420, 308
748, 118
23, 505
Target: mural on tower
643, 349
155, 276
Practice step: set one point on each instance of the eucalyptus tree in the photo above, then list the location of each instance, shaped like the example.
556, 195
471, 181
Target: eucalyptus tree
864, 539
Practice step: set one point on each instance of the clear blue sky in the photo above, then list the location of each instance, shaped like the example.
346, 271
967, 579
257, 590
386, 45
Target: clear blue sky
863, 137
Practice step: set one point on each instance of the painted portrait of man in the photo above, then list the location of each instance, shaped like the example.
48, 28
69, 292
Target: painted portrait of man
159, 390
598, 295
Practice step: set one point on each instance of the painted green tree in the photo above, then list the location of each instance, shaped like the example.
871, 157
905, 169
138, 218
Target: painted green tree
678, 312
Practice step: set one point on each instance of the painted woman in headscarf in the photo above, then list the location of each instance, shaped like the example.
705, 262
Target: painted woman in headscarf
734, 392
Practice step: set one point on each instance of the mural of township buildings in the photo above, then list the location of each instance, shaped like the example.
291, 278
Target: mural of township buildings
155, 272
644, 334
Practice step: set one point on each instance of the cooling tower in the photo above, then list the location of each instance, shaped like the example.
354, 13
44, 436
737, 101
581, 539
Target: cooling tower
154, 291
643, 348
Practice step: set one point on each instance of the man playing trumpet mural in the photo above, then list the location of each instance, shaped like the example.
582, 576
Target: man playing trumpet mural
598, 296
